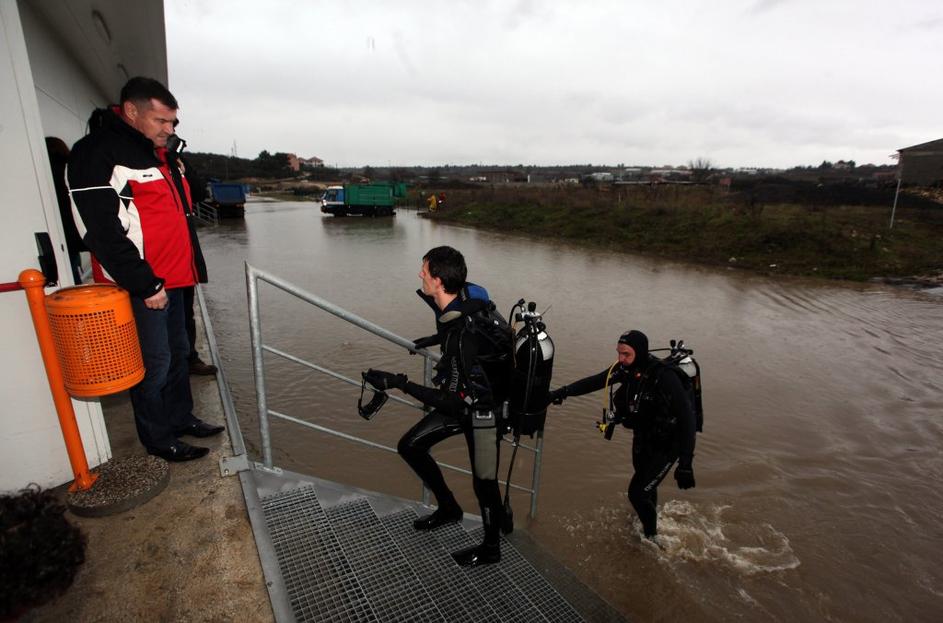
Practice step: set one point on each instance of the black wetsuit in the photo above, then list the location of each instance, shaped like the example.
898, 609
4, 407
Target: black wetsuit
663, 423
462, 403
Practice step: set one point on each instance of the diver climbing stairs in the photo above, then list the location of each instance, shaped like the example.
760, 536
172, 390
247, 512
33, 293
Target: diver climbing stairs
345, 563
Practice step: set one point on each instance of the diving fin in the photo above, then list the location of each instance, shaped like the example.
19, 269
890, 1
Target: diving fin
367, 411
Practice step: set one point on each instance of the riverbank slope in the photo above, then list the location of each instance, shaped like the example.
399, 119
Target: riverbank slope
705, 225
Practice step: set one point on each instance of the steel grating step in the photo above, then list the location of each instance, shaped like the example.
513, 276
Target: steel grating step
320, 583
456, 596
508, 601
535, 586
345, 564
392, 587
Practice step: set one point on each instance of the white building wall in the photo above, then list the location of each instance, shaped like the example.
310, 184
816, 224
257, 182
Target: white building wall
64, 92
31, 446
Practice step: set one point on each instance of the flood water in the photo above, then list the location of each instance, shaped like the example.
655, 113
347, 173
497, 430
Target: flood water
818, 473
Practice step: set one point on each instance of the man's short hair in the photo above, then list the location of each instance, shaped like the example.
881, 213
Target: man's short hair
448, 265
140, 90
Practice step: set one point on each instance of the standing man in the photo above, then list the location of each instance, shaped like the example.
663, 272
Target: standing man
197, 194
466, 400
132, 208
652, 402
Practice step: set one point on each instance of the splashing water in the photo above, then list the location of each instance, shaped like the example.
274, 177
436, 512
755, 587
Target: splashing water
687, 532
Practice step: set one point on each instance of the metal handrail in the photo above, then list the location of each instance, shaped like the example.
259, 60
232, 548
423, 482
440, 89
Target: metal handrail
206, 213
253, 276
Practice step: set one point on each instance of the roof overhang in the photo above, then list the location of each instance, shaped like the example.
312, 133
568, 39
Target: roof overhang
931, 148
112, 40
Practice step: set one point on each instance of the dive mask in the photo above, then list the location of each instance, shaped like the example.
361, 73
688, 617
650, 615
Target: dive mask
376, 403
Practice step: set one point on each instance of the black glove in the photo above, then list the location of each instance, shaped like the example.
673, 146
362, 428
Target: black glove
426, 342
385, 380
557, 396
685, 476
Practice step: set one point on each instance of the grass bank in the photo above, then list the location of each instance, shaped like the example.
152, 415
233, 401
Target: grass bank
701, 224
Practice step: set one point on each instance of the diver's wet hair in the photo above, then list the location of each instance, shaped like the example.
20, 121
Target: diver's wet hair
448, 265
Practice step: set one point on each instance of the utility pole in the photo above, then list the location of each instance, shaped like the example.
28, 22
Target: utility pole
900, 178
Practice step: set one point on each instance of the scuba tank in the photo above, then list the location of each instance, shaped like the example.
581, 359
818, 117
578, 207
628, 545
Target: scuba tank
533, 367
530, 387
681, 359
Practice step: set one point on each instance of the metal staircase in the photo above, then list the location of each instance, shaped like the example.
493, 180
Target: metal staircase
331, 552
346, 563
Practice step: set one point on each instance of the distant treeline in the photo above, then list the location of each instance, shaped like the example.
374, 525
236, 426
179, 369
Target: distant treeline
275, 166
265, 166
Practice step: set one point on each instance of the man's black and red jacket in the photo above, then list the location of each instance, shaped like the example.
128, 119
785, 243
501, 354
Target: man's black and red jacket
133, 210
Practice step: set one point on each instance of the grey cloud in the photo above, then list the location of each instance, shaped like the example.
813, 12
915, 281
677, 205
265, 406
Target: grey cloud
423, 83
764, 6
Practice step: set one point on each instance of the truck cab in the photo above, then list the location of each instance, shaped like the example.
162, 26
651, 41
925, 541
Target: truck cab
333, 201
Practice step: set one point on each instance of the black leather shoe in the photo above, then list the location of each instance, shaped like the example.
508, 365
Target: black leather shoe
200, 367
483, 554
179, 452
439, 517
199, 429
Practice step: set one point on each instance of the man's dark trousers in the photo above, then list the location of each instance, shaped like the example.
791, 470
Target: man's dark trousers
162, 402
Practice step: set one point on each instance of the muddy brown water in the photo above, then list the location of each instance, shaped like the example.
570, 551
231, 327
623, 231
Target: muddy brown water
818, 474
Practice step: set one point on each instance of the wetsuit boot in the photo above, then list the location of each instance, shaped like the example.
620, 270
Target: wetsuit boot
448, 512
489, 551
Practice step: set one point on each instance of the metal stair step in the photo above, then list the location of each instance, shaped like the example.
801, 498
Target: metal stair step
321, 584
456, 596
388, 580
508, 601
535, 586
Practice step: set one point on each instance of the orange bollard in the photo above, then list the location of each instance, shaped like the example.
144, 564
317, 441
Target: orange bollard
33, 281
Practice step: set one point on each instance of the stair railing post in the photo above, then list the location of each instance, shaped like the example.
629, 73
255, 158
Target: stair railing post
255, 332
535, 482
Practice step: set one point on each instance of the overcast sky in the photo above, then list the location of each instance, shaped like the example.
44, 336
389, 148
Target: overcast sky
741, 82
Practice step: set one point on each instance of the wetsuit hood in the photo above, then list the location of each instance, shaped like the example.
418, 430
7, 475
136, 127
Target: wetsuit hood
638, 341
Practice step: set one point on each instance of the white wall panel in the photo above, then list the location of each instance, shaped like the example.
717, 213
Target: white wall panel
31, 446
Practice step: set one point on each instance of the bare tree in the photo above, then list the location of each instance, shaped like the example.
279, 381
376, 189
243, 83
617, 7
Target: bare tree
700, 169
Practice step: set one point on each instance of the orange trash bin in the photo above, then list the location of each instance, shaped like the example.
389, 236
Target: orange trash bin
96, 339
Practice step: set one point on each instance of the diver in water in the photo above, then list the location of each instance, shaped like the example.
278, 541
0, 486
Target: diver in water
466, 400
652, 402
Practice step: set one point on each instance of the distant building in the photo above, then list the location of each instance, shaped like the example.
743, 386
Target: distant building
667, 174
293, 163
921, 165
311, 163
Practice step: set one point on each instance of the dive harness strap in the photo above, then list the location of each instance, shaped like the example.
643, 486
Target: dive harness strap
609, 419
